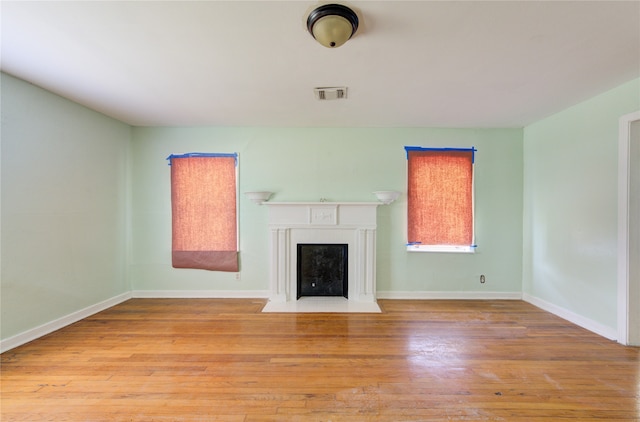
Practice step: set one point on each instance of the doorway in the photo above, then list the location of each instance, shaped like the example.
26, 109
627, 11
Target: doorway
629, 230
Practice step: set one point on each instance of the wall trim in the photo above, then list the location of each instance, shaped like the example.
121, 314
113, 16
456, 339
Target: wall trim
579, 320
624, 167
49, 327
42, 330
200, 294
449, 295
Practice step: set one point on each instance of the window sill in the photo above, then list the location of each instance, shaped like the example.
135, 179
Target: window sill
441, 248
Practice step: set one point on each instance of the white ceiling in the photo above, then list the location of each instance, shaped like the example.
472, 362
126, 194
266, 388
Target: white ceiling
252, 63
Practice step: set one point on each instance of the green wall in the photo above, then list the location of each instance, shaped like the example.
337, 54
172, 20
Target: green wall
86, 205
64, 207
340, 164
570, 205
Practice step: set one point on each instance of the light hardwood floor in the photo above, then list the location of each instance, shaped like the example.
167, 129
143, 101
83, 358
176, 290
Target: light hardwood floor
224, 360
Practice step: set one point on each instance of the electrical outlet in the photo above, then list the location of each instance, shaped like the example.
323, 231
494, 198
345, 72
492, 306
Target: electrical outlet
238, 276
482, 279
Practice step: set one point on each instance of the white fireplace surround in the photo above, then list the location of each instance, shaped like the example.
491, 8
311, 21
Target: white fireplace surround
351, 223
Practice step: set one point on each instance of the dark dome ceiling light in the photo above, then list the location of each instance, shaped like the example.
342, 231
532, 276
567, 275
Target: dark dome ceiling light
332, 24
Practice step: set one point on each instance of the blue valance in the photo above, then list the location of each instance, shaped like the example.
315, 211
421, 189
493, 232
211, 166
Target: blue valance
233, 155
472, 150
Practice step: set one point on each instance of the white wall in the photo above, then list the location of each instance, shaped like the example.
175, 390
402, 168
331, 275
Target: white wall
64, 207
570, 206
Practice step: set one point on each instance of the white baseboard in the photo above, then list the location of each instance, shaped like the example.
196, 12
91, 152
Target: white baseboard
200, 294
49, 327
579, 320
42, 330
449, 295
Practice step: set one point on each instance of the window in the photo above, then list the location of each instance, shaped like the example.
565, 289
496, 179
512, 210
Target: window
440, 199
203, 211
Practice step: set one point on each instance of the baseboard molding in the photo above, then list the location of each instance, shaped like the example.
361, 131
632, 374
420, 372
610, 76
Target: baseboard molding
579, 320
264, 294
405, 295
49, 327
42, 330
200, 294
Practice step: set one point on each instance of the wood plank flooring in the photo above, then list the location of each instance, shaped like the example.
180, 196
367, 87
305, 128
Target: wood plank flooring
224, 360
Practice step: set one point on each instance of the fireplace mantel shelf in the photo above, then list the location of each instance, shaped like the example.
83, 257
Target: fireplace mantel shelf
322, 203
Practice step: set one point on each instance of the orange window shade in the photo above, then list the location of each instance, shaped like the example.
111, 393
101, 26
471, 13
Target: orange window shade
440, 197
203, 203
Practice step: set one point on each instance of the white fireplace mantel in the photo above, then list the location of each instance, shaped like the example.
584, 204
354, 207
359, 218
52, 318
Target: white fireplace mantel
351, 223
338, 214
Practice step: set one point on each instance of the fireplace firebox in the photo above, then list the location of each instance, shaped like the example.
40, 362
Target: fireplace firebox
322, 270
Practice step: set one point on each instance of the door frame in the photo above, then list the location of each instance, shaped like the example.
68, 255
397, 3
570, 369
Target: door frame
624, 286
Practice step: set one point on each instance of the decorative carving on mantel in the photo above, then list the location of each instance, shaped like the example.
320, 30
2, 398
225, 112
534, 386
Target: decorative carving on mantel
324, 215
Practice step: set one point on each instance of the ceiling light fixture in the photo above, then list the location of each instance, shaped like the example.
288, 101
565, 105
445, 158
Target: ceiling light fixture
332, 24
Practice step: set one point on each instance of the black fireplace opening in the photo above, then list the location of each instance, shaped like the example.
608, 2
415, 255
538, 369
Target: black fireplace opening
322, 270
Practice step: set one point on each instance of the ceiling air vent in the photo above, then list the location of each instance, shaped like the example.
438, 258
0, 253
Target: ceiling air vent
330, 93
